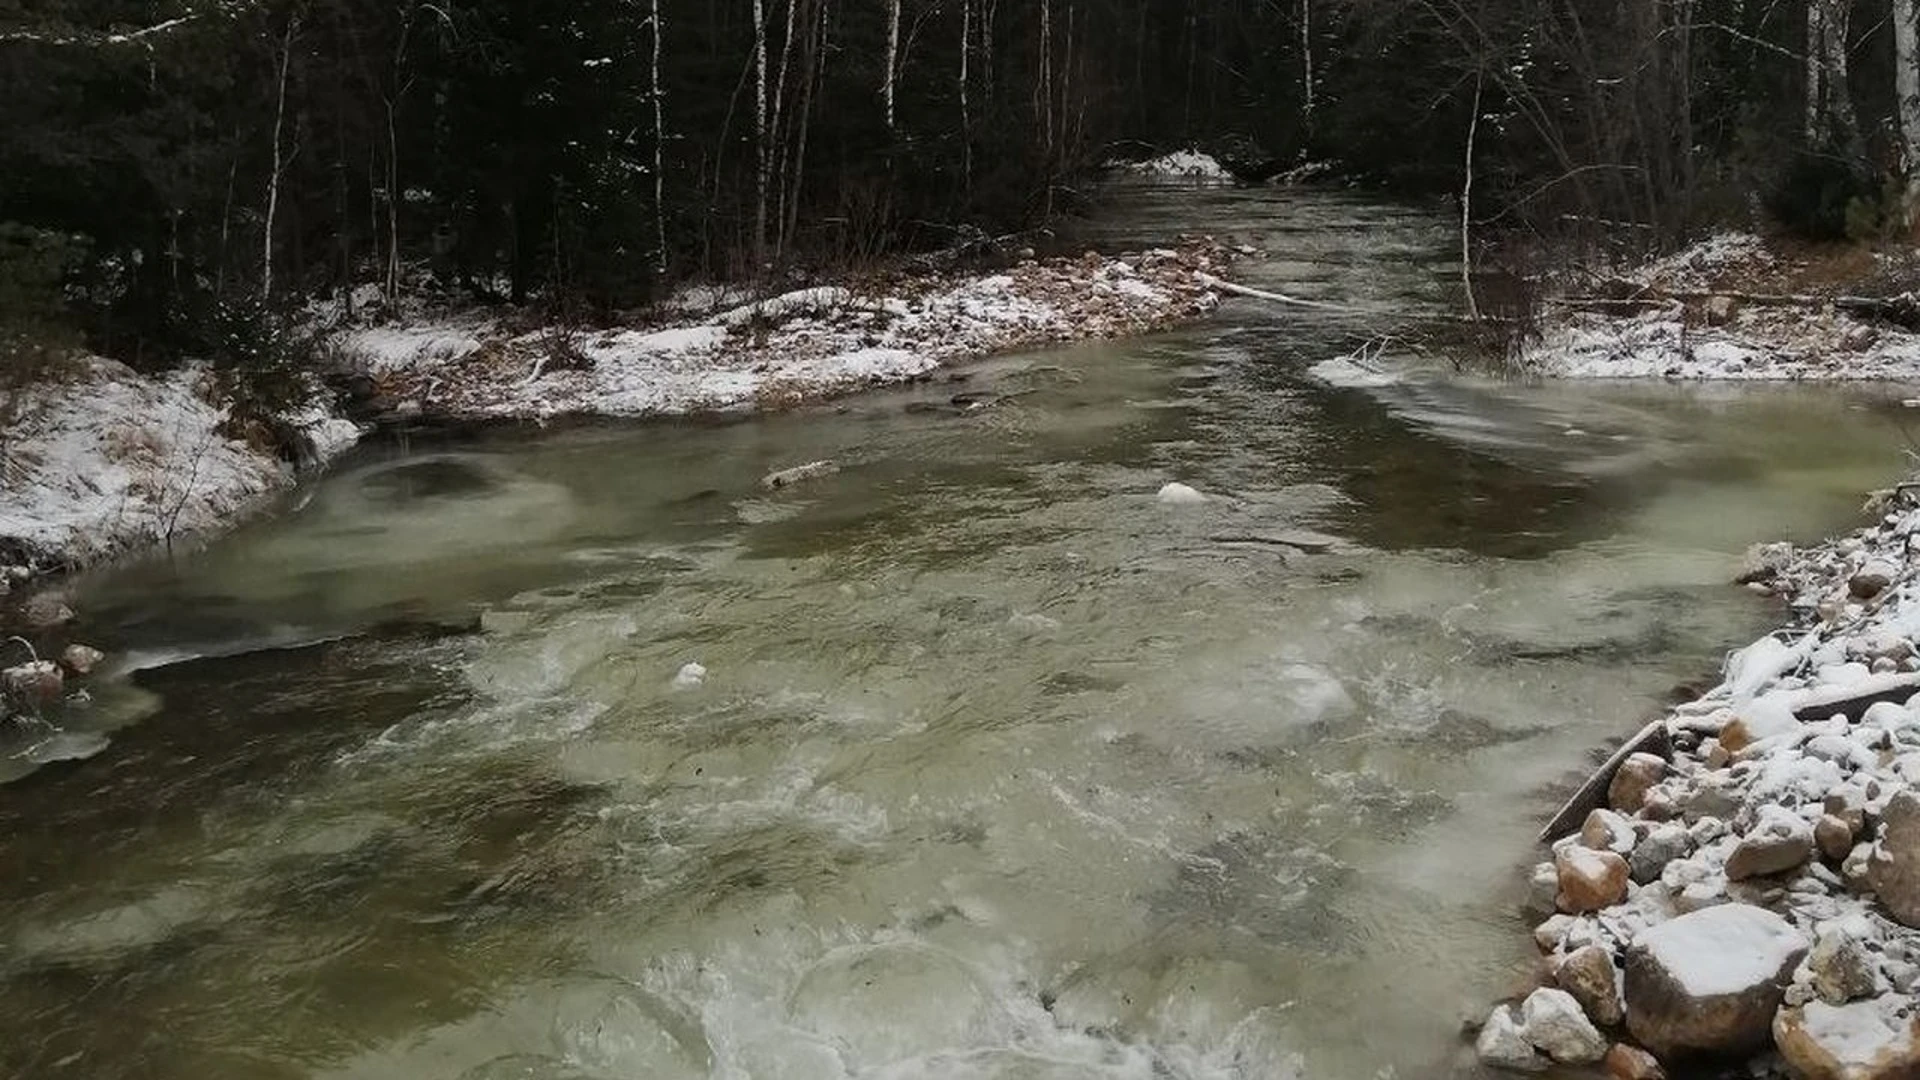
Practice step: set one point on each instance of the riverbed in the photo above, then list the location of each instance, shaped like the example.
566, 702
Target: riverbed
999, 767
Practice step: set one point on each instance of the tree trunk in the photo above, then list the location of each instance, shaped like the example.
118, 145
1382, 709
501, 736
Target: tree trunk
893, 56
273, 178
966, 118
1906, 83
764, 163
659, 148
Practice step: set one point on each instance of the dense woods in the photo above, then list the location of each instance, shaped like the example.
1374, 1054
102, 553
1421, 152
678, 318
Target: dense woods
169, 168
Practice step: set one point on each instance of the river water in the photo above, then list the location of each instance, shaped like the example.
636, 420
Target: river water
1001, 768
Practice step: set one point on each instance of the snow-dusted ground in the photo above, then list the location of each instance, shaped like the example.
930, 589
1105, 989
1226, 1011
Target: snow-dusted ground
106, 461
797, 346
1787, 789
1707, 332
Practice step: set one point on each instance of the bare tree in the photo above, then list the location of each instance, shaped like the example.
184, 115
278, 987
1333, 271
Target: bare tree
893, 57
659, 144
1906, 85
764, 162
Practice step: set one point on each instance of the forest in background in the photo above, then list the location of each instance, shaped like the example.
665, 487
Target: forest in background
174, 176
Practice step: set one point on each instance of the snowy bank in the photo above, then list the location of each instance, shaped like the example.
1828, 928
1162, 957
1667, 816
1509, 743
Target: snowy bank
106, 461
1748, 883
1179, 165
1729, 307
793, 347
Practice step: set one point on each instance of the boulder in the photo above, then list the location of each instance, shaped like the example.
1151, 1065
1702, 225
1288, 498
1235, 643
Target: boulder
45, 611
1720, 309
1628, 1062
1893, 870
1504, 1045
1552, 1021
1780, 840
1178, 494
1710, 981
81, 659
1588, 974
1627, 793
1877, 1039
1589, 879
33, 684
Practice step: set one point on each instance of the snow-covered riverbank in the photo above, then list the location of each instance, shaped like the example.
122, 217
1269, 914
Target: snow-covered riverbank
778, 351
1732, 307
104, 461
1749, 883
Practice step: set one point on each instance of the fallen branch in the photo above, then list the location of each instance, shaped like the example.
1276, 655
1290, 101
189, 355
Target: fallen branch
1902, 310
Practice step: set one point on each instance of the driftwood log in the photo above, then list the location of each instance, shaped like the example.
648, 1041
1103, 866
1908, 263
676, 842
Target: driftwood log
1902, 310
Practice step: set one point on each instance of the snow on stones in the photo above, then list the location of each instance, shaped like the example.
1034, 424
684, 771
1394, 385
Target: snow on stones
1181, 165
1772, 845
1178, 494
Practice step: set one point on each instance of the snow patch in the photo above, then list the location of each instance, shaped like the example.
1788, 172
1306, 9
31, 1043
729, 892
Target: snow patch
1181, 164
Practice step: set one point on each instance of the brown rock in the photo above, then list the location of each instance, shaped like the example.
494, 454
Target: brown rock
45, 611
1833, 836
1605, 830
1893, 871
1719, 310
1588, 974
1590, 880
1780, 840
33, 684
1635, 777
1867, 1040
1628, 1062
1872, 579
1710, 981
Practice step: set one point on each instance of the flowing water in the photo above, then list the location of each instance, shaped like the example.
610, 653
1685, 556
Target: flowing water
1001, 768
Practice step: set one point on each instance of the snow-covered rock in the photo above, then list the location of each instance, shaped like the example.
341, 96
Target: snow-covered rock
1780, 840
1503, 1043
1553, 1022
1181, 164
691, 676
1178, 494
1878, 1039
1627, 792
1710, 981
1589, 879
1894, 868
33, 684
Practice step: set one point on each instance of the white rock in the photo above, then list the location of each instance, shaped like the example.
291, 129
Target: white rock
1503, 1044
1177, 494
1553, 1021
690, 676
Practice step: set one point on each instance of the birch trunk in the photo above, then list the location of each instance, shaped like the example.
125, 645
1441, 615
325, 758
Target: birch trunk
764, 163
893, 57
1906, 86
273, 178
659, 147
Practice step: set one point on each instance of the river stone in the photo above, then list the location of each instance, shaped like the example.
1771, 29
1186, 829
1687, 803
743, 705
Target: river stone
81, 659
1628, 1062
1893, 871
1780, 840
812, 470
1627, 792
1867, 1040
45, 611
1504, 1045
1605, 830
1588, 974
1839, 967
1708, 982
1553, 1022
1178, 494
1872, 579
1833, 836
1662, 844
1589, 879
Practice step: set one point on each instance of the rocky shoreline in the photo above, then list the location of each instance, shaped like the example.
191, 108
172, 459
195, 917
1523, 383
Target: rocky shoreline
1746, 888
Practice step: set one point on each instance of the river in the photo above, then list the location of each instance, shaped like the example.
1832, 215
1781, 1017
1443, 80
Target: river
1000, 767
